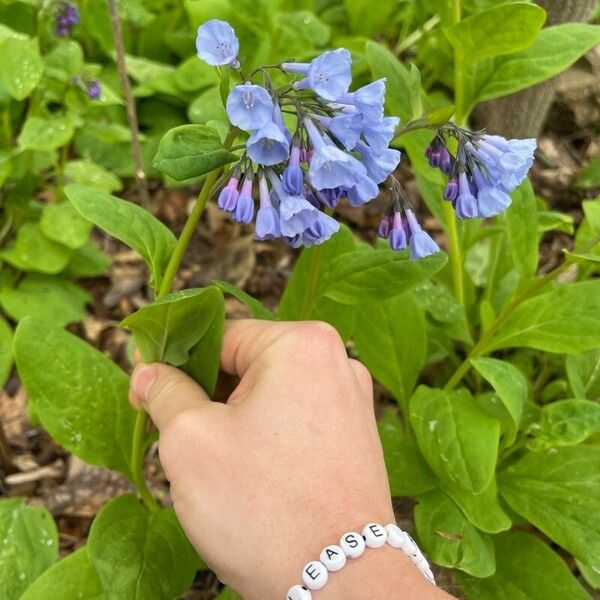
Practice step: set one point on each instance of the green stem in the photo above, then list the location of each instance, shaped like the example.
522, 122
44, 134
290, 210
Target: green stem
311, 284
415, 36
455, 253
6, 125
141, 420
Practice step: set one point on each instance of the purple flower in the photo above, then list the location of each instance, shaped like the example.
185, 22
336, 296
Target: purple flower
344, 127
380, 134
322, 228
368, 100
465, 204
331, 167
267, 219
362, 191
451, 189
379, 166
330, 198
244, 208
94, 89
249, 106
329, 75
66, 18
397, 235
385, 226
420, 243
491, 200
229, 195
217, 44
268, 145
293, 176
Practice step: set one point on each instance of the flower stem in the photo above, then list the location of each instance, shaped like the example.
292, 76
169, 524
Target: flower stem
311, 284
141, 420
416, 35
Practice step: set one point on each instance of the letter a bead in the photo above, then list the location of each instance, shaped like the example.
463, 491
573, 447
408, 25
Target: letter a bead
352, 544
333, 557
314, 575
298, 592
375, 535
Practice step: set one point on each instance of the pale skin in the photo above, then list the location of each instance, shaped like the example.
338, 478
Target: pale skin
291, 462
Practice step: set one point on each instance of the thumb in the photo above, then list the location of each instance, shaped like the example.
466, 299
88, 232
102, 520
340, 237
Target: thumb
165, 391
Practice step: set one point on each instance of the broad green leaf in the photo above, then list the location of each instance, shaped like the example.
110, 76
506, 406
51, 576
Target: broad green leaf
259, 310
565, 423
559, 492
65, 61
129, 223
555, 49
565, 319
21, 66
29, 545
140, 555
33, 251
587, 257
6, 353
53, 299
87, 172
526, 569
449, 539
72, 578
408, 472
376, 275
521, 229
416, 100
87, 261
63, 224
79, 394
482, 510
583, 371
590, 176
391, 341
189, 151
438, 301
592, 576
369, 17
45, 134
591, 209
510, 385
457, 438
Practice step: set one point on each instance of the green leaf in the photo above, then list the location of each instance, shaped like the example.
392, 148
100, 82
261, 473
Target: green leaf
228, 594
72, 578
189, 151
88, 173
21, 66
408, 472
526, 569
29, 545
590, 176
482, 510
592, 576
457, 438
391, 341
369, 17
449, 539
45, 134
593, 258
87, 261
79, 394
259, 310
53, 299
565, 319
583, 371
565, 423
416, 100
65, 61
63, 224
499, 30
140, 555
376, 275
591, 209
33, 251
555, 49
521, 229
559, 492
129, 223
438, 301
6, 353
511, 387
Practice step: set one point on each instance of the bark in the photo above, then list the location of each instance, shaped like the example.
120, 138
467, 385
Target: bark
523, 114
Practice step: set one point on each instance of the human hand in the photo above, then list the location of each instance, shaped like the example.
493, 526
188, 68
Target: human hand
291, 462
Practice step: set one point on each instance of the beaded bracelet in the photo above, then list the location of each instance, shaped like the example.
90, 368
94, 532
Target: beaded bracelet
352, 545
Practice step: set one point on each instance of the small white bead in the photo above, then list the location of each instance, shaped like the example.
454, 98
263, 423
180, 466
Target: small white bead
375, 535
352, 544
429, 575
333, 557
314, 575
298, 592
395, 535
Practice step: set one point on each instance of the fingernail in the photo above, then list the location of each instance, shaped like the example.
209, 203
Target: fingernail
142, 378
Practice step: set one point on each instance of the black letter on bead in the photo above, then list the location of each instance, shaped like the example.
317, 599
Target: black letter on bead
351, 540
330, 552
312, 572
375, 530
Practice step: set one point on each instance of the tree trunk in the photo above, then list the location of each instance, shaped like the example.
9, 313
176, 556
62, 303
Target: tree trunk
523, 114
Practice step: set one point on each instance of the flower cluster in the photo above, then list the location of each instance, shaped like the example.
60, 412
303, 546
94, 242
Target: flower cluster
67, 17
334, 143
92, 88
484, 170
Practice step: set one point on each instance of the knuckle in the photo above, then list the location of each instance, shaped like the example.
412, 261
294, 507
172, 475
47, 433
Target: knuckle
179, 433
320, 335
361, 372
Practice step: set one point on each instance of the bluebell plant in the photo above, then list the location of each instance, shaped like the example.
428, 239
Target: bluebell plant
67, 16
334, 143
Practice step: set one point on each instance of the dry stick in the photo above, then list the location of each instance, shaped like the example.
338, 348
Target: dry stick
136, 147
5, 455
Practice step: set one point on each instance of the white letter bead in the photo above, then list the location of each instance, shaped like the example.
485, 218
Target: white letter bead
314, 575
375, 535
298, 592
352, 544
333, 557
395, 535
